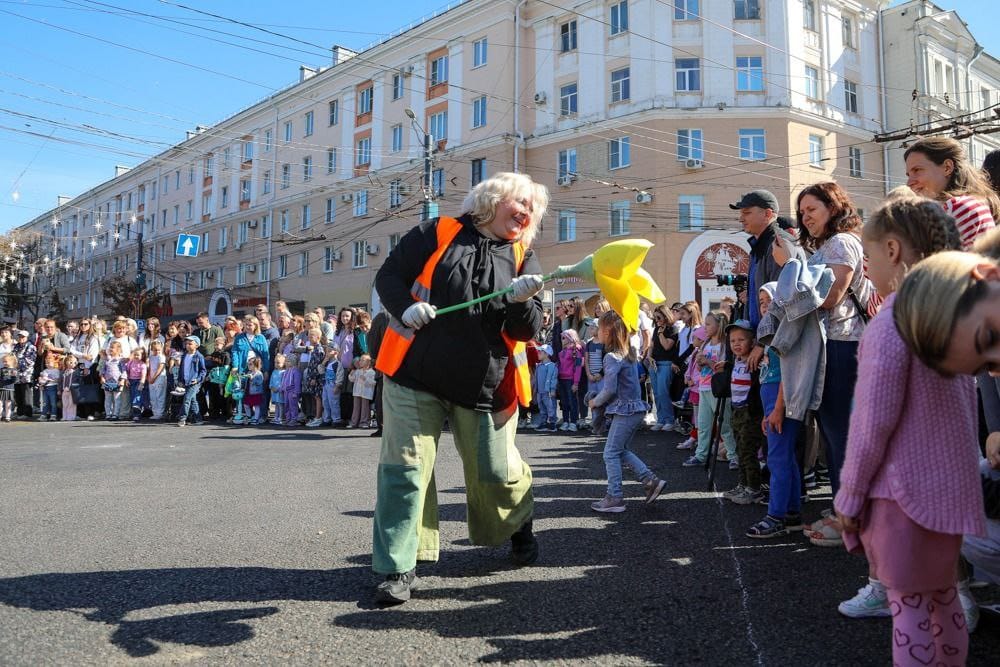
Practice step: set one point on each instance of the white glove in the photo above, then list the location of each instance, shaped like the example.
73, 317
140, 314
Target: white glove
526, 287
418, 315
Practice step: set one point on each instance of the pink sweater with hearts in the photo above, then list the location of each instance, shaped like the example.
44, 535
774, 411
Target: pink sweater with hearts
913, 437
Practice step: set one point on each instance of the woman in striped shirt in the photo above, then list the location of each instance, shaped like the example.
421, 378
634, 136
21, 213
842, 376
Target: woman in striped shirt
937, 168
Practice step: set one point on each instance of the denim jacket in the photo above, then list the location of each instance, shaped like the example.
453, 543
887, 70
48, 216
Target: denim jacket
792, 328
621, 387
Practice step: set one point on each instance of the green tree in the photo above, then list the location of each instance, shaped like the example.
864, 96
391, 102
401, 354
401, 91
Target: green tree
124, 297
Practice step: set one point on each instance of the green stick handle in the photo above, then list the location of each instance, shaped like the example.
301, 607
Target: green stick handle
485, 297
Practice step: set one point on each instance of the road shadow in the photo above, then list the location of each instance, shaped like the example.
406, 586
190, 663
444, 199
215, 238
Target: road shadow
109, 597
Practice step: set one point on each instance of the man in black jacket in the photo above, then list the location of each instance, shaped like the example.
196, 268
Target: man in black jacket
463, 367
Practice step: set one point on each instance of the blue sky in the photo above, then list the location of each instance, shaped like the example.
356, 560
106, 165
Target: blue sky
58, 77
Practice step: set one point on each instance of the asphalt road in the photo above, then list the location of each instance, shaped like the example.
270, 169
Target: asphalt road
124, 544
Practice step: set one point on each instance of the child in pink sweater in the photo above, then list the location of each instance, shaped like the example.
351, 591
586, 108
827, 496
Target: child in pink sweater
909, 484
570, 369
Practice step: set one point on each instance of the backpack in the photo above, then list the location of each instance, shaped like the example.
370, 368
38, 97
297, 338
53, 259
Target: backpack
218, 375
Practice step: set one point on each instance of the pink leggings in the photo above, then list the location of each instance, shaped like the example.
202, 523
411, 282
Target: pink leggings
928, 628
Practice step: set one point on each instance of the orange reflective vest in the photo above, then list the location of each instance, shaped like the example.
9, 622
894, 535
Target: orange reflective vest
398, 337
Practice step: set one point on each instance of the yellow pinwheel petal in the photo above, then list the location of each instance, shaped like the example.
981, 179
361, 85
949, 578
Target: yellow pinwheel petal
622, 299
620, 259
644, 285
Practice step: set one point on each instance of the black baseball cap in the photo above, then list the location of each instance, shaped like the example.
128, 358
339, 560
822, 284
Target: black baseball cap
760, 198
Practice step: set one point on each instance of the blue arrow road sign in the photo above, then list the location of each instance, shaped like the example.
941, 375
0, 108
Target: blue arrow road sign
187, 245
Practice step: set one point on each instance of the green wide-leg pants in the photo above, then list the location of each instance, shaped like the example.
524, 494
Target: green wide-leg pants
497, 480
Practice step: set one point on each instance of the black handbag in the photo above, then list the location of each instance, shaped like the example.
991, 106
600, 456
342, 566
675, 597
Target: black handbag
86, 394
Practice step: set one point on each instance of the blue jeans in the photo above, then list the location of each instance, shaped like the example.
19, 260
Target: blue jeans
137, 394
786, 488
661, 393
568, 398
50, 394
191, 402
616, 452
834, 414
546, 408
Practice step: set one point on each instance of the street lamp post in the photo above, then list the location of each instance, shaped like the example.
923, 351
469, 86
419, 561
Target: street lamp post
428, 161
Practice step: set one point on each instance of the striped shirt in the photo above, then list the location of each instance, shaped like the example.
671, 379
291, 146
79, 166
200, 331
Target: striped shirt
972, 216
740, 382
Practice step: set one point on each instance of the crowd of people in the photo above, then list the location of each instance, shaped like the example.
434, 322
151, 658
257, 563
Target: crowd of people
290, 370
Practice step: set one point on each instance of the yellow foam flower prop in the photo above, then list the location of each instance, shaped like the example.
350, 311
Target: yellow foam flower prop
617, 270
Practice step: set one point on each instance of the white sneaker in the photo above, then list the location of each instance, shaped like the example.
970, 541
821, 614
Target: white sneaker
733, 492
656, 427
969, 606
178, 391
687, 444
572, 428
564, 426
870, 602
314, 423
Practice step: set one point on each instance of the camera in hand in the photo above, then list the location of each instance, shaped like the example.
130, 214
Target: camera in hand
739, 281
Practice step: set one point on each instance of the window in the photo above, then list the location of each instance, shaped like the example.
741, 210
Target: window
241, 274
306, 216
227, 158
264, 271
247, 151
847, 31
854, 161
397, 86
267, 141
397, 138
690, 212
395, 193
328, 258
750, 74
850, 96
359, 254
283, 221
478, 170
365, 99
394, 240
190, 175
567, 163
177, 215
567, 99
307, 168
265, 226
812, 83
361, 203
746, 10
266, 186
618, 153
331, 160
309, 123
304, 263
690, 145
331, 211
364, 156
334, 111
437, 182
190, 209
479, 112
439, 70
288, 131
620, 85
439, 126
206, 204
245, 190
567, 36
752, 144
685, 10
688, 75
479, 52
166, 184
815, 150
619, 17
177, 180
286, 176
620, 214
206, 244
809, 15
223, 237
567, 226
283, 266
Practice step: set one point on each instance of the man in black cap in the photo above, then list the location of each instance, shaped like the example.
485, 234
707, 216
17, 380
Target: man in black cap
758, 211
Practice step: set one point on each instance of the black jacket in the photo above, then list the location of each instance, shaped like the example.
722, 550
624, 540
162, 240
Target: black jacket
460, 357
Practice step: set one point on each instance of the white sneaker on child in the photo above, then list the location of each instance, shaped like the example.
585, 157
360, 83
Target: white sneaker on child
870, 602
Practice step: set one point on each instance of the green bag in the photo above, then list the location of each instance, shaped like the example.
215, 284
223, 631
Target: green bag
218, 375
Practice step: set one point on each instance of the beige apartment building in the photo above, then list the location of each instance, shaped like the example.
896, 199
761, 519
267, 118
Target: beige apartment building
644, 118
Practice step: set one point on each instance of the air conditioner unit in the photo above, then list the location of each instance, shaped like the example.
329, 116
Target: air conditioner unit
565, 180
643, 197
541, 97
221, 249
210, 274
252, 268
252, 224
371, 249
405, 188
406, 70
692, 163
347, 197
337, 255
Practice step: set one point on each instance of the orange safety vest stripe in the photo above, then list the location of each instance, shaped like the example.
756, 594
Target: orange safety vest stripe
399, 337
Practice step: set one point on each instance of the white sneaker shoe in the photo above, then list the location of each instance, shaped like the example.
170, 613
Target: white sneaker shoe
564, 426
687, 444
572, 428
870, 602
314, 423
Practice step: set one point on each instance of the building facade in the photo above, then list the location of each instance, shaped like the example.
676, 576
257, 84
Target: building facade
644, 118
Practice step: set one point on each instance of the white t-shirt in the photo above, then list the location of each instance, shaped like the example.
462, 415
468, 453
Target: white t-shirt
843, 321
645, 324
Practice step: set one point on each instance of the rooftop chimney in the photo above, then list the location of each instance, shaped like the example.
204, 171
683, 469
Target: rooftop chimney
121, 169
340, 54
307, 72
63, 199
